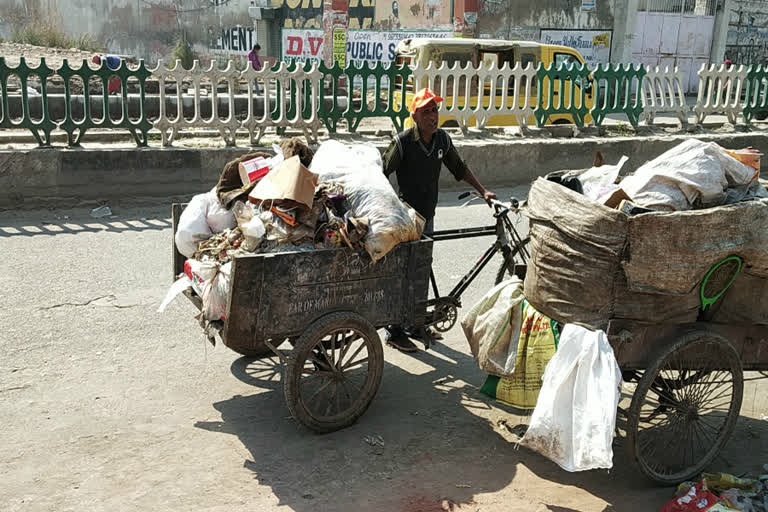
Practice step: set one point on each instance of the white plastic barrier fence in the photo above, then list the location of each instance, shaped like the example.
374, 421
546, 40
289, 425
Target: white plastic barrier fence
662, 91
720, 92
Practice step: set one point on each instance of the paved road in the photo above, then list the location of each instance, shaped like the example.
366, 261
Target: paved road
108, 405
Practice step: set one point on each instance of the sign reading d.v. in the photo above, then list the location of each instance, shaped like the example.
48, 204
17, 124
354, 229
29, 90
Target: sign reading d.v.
593, 45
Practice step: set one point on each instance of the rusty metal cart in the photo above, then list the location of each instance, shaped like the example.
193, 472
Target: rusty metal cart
687, 383
327, 305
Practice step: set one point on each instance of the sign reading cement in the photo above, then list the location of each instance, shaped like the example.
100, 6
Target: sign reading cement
593, 45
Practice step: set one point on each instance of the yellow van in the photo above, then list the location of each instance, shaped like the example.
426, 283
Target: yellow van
462, 51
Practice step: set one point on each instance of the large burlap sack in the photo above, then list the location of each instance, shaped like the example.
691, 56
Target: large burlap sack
579, 252
672, 252
576, 250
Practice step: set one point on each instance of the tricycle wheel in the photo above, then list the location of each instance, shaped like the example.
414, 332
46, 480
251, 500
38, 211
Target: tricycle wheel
334, 372
685, 407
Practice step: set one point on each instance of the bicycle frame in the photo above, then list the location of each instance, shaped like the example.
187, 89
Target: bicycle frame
501, 243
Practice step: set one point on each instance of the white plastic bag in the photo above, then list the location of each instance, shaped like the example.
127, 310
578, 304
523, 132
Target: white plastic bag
693, 173
216, 290
174, 291
575, 415
193, 228
599, 182
359, 170
492, 328
202, 217
217, 217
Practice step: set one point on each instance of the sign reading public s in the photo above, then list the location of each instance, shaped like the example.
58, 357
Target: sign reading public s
361, 45
593, 45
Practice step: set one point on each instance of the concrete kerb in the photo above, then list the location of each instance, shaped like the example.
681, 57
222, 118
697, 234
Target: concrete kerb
66, 177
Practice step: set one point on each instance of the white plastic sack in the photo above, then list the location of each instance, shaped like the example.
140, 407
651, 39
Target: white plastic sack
202, 217
692, 173
600, 181
359, 170
217, 217
216, 290
575, 415
492, 328
193, 228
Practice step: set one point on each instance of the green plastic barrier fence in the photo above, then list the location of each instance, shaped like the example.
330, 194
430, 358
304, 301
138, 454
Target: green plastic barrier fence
41, 129
330, 115
138, 128
613, 92
756, 90
378, 71
306, 111
562, 91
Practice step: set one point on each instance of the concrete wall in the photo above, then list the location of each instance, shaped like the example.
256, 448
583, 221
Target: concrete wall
747, 41
523, 19
63, 177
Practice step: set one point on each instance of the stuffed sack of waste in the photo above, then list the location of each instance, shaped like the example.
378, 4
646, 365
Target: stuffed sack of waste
597, 257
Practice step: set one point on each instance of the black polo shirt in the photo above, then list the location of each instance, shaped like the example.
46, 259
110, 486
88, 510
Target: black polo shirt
418, 167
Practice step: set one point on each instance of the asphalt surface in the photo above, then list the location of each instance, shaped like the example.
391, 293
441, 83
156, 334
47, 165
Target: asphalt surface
108, 405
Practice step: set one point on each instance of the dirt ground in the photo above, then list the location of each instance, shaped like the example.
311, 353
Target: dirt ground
32, 54
108, 405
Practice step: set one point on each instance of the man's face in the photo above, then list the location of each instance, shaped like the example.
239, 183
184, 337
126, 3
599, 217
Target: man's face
426, 119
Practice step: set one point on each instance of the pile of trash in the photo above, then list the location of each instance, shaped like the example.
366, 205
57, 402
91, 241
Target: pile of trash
293, 201
602, 248
566, 374
692, 175
721, 492
638, 247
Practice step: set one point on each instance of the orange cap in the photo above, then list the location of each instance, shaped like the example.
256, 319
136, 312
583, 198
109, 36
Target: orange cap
423, 98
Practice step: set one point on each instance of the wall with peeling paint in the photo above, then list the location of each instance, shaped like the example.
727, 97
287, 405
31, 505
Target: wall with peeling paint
221, 29
149, 29
523, 19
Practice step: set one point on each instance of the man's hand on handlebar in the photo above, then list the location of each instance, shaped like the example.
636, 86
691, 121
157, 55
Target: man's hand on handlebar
488, 197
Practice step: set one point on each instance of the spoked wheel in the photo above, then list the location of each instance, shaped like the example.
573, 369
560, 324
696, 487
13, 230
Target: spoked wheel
334, 372
520, 254
685, 407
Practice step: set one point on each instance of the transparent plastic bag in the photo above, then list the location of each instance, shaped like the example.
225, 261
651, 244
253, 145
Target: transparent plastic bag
358, 168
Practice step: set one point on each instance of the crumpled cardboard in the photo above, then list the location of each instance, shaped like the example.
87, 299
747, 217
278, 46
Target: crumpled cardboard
290, 183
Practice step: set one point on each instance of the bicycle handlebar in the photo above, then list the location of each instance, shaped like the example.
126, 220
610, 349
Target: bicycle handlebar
501, 208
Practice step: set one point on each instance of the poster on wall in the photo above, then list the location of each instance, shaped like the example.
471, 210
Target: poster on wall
339, 46
361, 45
593, 45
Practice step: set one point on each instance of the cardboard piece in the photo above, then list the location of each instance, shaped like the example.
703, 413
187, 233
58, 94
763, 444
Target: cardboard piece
748, 156
290, 183
613, 199
253, 170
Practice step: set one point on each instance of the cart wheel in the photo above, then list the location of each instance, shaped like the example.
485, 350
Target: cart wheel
507, 269
685, 407
334, 372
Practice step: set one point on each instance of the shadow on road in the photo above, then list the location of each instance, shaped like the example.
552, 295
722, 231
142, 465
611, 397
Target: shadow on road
81, 225
439, 452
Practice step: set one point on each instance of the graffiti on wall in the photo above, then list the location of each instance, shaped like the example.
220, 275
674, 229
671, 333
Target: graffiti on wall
413, 14
309, 13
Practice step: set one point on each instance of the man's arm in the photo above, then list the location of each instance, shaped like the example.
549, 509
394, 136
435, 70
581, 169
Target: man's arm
392, 158
459, 169
470, 178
